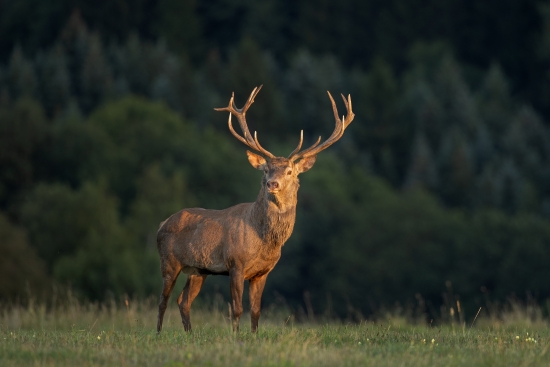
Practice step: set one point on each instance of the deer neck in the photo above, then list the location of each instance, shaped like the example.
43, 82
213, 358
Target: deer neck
274, 215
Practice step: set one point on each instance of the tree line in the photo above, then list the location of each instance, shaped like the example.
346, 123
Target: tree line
443, 176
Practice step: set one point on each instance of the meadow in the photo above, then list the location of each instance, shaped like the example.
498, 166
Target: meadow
123, 334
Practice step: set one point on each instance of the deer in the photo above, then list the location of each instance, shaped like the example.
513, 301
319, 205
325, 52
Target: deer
244, 241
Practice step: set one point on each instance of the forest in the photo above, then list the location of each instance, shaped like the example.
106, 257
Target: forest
440, 186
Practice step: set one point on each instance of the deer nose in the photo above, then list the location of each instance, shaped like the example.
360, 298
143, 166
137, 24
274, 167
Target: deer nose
272, 185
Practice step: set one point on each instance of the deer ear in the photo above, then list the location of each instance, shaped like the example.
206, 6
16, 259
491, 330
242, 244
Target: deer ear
305, 164
256, 160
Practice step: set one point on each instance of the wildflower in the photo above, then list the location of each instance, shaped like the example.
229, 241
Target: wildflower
517, 336
98, 337
433, 341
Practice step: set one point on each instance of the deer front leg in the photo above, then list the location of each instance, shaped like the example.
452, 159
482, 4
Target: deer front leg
236, 279
256, 288
190, 291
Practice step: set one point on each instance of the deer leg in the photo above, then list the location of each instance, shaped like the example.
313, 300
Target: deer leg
169, 280
256, 288
236, 279
190, 291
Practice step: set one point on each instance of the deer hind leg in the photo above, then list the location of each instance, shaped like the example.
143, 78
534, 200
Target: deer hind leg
236, 279
169, 277
256, 288
190, 291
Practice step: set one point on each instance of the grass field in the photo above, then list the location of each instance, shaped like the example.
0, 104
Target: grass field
124, 335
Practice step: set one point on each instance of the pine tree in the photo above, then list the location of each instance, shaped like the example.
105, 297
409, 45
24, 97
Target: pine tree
166, 75
55, 82
422, 171
483, 148
422, 107
95, 77
528, 142
456, 168
455, 96
304, 86
511, 186
21, 75
134, 65
487, 188
75, 38
494, 101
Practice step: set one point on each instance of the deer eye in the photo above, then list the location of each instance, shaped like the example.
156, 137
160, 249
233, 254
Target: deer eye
289, 172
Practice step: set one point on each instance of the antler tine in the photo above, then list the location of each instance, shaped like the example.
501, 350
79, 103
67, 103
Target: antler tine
240, 113
340, 126
240, 138
347, 102
260, 148
299, 145
334, 108
251, 98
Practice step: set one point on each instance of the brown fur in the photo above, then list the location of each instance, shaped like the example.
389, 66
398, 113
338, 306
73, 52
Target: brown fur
243, 241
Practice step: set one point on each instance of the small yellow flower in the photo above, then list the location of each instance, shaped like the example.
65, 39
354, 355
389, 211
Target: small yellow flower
433, 341
98, 337
517, 336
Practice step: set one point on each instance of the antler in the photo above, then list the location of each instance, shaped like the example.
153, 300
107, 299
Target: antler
339, 128
240, 113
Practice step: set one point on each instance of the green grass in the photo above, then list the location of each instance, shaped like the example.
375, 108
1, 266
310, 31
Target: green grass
100, 335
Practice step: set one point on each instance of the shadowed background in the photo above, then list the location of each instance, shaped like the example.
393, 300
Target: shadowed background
439, 190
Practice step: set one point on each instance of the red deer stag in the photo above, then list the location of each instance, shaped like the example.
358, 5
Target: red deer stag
245, 240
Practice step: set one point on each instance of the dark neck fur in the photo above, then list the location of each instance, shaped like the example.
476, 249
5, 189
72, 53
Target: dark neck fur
274, 215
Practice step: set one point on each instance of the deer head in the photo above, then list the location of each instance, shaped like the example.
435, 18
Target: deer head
281, 174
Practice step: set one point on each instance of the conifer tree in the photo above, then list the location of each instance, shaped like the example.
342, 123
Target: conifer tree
95, 77
494, 101
422, 171
21, 76
456, 168
304, 86
55, 82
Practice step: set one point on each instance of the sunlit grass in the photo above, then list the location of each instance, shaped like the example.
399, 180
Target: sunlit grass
123, 333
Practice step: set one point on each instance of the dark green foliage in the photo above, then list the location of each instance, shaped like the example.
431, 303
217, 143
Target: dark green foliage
23, 131
107, 127
21, 270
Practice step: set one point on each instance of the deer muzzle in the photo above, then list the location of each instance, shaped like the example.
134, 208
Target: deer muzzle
273, 186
